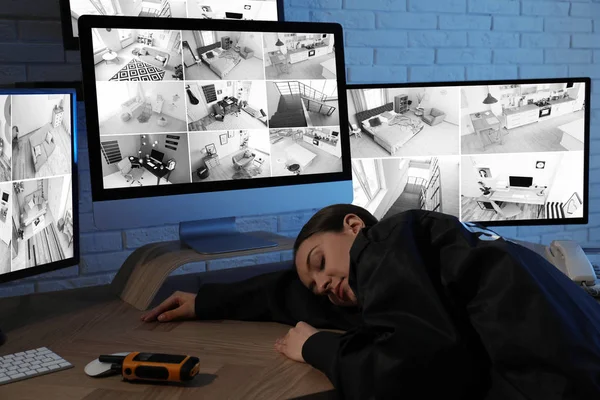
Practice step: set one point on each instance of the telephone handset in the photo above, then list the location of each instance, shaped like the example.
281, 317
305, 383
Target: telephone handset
567, 256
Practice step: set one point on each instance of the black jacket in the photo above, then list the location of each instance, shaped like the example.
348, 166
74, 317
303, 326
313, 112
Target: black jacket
444, 310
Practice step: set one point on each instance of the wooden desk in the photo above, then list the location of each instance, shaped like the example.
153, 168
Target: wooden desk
516, 195
156, 171
488, 124
227, 105
237, 359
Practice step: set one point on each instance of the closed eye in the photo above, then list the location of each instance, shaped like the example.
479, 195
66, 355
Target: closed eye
313, 285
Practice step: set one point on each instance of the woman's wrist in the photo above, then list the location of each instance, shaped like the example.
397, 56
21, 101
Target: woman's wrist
321, 349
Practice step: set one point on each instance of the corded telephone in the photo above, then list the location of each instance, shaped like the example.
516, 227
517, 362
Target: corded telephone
570, 259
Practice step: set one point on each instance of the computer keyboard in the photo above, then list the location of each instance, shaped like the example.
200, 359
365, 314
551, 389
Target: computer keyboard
150, 163
29, 364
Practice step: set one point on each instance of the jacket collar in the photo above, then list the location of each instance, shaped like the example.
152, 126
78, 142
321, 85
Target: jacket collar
360, 243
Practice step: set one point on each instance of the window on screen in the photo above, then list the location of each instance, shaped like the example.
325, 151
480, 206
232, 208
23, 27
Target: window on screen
367, 180
373, 98
97, 42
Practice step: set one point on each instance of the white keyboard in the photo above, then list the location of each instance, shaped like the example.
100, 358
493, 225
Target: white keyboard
150, 163
29, 364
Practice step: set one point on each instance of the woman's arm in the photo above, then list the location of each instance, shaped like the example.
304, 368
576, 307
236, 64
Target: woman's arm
276, 296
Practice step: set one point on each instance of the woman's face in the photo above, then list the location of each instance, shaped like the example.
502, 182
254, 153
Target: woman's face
323, 262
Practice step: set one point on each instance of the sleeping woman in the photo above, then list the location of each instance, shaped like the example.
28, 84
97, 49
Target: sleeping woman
428, 306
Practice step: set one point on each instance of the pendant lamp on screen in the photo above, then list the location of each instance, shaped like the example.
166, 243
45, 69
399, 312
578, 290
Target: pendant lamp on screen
490, 99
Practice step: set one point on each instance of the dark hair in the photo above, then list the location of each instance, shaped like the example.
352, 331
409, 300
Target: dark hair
331, 219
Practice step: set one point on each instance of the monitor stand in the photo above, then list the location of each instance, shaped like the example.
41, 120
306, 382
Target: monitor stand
145, 270
2, 338
217, 236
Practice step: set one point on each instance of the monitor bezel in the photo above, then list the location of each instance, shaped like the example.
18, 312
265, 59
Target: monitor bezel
586, 151
38, 88
71, 42
86, 23
77, 85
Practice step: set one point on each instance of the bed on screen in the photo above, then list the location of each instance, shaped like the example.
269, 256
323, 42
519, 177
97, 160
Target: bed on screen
388, 129
220, 61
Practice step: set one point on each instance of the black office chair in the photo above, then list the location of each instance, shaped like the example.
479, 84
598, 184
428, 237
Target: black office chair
219, 112
203, 172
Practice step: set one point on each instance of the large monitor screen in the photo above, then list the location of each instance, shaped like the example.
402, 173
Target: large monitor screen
71, 10
38, 217
495, 152
243, 105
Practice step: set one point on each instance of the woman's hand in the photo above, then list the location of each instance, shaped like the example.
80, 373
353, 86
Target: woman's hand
180, 305
291, 344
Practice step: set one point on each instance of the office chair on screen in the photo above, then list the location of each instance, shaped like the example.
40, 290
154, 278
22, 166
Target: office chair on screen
129, 172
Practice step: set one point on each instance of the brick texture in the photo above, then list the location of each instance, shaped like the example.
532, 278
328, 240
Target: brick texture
518, 24
10, 73
434, 39
24, 9
385, 41
493, 40
545, 8
465, 22
8, 30
494, 7
441, 73
558, 56
549, 71
404, 56
551, 40
40, 31
406, 20
450, 6
518, 56
383, 5
464, 56
568, 25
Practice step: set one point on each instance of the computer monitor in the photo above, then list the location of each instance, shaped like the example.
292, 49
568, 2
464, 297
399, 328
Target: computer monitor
233, 15
503, 152
157, 155
250, 127
71, 10
39, 219
520, 181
